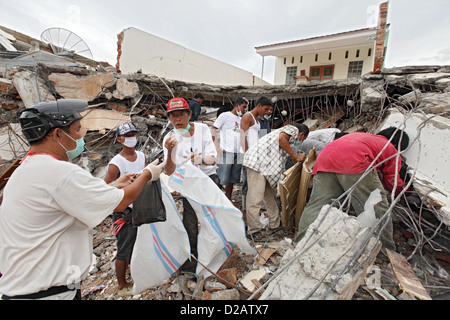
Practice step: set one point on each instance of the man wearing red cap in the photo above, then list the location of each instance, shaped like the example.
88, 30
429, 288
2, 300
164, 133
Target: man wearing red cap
193, 142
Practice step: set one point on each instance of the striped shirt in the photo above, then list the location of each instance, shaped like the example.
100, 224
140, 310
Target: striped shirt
267, 157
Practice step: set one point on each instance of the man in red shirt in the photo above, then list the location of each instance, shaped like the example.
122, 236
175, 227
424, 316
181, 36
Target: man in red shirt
342, 163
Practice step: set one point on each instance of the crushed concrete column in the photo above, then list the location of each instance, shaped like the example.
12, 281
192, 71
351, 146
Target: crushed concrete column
334, 242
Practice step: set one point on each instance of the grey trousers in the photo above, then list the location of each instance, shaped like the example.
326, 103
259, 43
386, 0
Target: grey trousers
329, 186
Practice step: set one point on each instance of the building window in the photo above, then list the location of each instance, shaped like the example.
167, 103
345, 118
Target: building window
320, 73
355, 69
357, 53
284, 60
330, 56
291, 73
370, 52
346, 54
317, 57
293, 60
301, 59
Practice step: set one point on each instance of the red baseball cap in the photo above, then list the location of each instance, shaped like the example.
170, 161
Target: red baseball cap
177, 104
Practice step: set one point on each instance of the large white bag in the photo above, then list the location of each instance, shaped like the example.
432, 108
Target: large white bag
221, 224
160, 248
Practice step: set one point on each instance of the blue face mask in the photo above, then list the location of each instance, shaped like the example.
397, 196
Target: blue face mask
72, 154
297, 143
184, 131
267, 117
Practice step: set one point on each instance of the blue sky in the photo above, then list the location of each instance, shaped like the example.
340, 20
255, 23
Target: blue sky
230, 30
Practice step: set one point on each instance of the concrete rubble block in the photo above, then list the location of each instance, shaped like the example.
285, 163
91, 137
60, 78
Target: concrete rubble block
230, 294
31, 88
429, 140
372, 95
427, 78
101, 120
334, 241
86, 88
126, 89
442, 83
435, 103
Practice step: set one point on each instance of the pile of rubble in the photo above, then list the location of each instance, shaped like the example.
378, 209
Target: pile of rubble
244, 277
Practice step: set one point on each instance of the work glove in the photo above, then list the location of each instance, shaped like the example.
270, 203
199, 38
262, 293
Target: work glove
155, 169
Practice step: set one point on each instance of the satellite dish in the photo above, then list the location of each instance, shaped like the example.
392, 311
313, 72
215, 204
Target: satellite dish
64, 42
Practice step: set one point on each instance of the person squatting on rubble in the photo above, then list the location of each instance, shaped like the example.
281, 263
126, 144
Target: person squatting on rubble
193, 142
229, 150
50, 206
250, 130
265, 162
341, 165
127, 161
196, 108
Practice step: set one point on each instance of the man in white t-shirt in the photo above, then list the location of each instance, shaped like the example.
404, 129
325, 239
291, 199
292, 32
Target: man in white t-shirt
189, 141
51, 205
229, 148
127, 161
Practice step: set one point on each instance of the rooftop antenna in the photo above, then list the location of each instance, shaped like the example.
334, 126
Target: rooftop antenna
66, 43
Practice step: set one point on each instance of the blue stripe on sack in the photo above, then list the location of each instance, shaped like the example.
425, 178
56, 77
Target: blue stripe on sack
163, 262
166, 265
164, 249
216, 227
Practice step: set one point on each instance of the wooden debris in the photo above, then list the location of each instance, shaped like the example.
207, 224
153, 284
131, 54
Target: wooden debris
305, 178
407, 280
247, 281
264, 255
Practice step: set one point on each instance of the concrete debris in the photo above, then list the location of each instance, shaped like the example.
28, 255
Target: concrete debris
87, 88
325, 270
31, 88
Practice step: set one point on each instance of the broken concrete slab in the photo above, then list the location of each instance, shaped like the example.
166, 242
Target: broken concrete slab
101, 120
331, 242
31, 88
12, 137
427, 78
427, 156
86, 88
126, 89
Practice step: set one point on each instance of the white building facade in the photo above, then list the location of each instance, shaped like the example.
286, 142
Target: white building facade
332, 57
149, 54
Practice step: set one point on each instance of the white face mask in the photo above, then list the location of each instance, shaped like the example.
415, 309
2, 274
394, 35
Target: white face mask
239, 113
130, 142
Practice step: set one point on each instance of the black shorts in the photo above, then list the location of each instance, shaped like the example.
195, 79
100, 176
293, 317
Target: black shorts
126, 236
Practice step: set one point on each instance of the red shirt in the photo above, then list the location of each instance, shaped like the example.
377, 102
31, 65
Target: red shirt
355, 152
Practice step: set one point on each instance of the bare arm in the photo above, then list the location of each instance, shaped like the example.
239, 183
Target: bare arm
245, 125
171, 146
283, 139
133, 190
216, 141
112, 174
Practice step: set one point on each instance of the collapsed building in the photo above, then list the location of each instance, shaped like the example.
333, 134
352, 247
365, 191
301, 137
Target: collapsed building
415, 98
